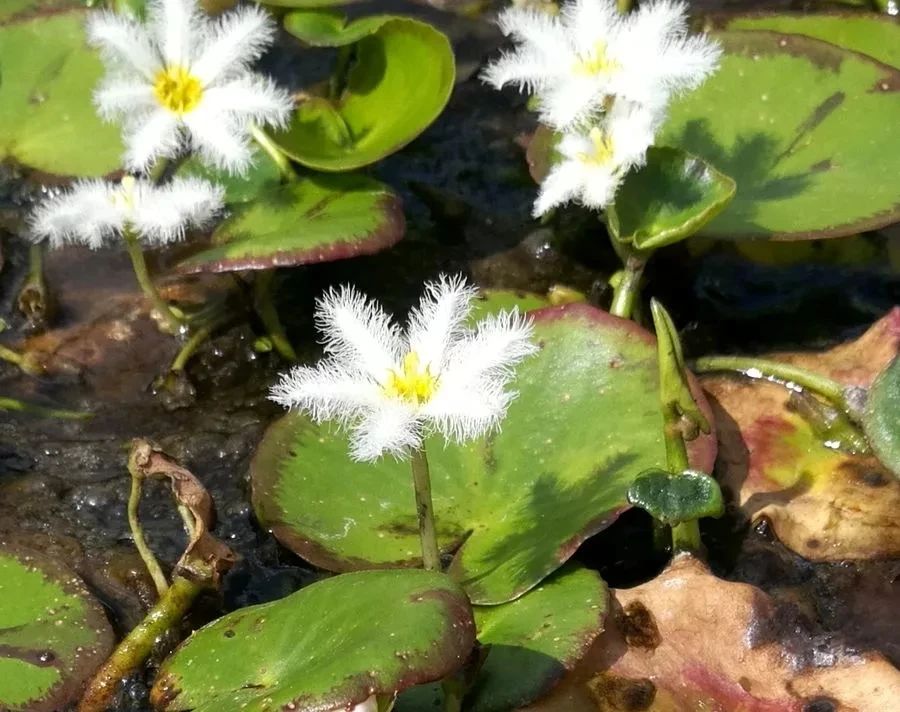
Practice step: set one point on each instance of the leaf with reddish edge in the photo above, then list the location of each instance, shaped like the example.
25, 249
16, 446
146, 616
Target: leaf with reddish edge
867, 32
320, 218
512, 506
824, 503
329, 646
53, 633
689, 641
530, 643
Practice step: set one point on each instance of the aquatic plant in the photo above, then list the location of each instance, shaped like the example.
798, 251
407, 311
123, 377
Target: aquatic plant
392, 391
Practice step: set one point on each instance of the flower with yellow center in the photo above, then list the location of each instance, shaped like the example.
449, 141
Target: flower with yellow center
95, 212
181, 81
593, 162
576, 62
391, 389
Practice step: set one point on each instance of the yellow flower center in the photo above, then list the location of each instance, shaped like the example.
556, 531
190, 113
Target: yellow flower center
177, 90
596, 61
602, 152
411, 382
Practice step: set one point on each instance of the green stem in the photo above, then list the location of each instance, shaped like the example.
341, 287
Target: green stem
273, 152
780, 372
629, 287
685, 536
146, 284
265, 307
453, 694
191, 345
431, 557
137, 532
138, 644
13, 357
33, 299
11, 404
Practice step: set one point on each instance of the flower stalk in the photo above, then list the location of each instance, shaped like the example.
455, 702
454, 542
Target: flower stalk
265, 308
431, 557
139, 263
264, 141
137, 532
628, 288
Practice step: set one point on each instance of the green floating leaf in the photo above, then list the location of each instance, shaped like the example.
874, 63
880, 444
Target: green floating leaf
807, 130
676, 498
670, 198
320, 218
328, 646
513, 506
881, 417
875, 35
47, 77
532, 642
53, 634
262, 178
398, 84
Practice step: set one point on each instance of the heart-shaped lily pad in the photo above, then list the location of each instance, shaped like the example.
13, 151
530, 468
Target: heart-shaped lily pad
532, 642
676, 498
513, 506
398, 84
47, 76
668, 199
806, 129
53, 634
329, 646
875, 35
881, 418
317, 219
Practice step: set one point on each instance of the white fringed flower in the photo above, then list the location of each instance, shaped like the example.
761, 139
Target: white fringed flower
392, 390
576, 62
93, 212
182, 81
594, 161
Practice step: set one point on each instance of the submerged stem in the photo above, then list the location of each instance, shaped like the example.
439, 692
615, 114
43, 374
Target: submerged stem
134, 500
784, 373
265, 307
22, 407
272, 151
138, 644
146, 283
431, 557
11, 356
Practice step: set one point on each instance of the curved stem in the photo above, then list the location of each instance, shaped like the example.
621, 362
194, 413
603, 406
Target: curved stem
189, 348
138, 644
779, 372
11, 356
146, 284
273, 152
431, 557
629, 287
265, 307
134, 500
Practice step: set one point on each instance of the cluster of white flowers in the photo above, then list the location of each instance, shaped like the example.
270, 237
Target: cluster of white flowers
93, 212
181, 81
604, 81
392, 390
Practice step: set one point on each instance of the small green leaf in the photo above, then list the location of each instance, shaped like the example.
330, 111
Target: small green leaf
676, 498
806, 129
47, 78
675, 389
328, 646
531, 643
511, 507
881, 417
53, 634
875, 35
397, 85
317, 219
667, 200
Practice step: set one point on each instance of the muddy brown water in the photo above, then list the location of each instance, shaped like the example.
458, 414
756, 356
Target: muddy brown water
63, 485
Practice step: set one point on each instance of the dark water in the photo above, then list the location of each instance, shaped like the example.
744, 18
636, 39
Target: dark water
63, 485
